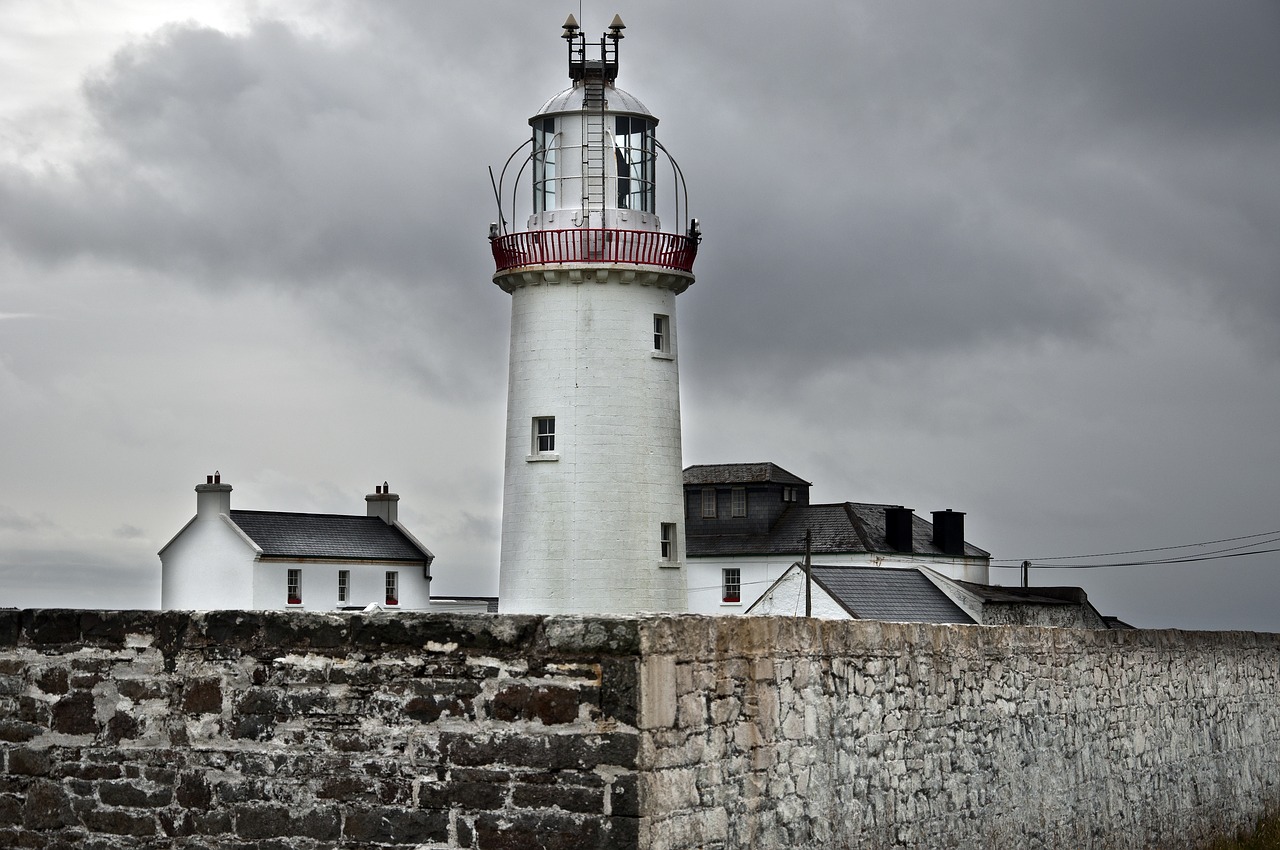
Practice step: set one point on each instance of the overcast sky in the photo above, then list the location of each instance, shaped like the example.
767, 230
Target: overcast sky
1018, 260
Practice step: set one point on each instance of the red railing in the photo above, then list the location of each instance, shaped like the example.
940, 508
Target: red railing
594, 245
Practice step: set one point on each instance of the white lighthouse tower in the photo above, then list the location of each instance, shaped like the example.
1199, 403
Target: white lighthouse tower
593, 507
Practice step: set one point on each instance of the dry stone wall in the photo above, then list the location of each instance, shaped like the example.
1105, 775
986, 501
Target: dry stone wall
288, 731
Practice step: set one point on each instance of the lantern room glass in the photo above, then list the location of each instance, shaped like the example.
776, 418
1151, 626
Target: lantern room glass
544, 165
634, 158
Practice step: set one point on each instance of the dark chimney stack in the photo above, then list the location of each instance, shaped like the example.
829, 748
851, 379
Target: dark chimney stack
898, 528
948, 532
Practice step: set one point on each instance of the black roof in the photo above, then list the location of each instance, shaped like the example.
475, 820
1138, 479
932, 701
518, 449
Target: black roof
841, 527
887, 593
740, 473
336, 536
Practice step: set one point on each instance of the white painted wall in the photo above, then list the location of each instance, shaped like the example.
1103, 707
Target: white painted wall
207, 567
760, 571
581, 533
320, 586
787, 600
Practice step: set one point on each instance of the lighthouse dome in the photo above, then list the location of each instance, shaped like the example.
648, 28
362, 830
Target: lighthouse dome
573, 99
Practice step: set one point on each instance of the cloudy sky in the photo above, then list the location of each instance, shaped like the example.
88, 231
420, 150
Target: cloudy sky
1018, 260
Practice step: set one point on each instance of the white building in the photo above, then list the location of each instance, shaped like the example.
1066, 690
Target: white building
747, 523
592, 498
921, 595
261, 560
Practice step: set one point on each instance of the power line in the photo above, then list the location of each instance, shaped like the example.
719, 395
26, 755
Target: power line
1018, 561
1189, 559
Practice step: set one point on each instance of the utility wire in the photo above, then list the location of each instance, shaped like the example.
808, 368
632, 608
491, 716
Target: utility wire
1018, 561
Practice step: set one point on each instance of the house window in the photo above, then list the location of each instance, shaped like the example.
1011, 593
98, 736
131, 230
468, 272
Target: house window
293, 591
544, 435
708, 503
788, 494
731, 578
668, 547
738, 501
344, 585
393, 587
661, 333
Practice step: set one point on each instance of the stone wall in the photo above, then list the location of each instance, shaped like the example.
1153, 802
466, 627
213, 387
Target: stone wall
288, 731
786, 733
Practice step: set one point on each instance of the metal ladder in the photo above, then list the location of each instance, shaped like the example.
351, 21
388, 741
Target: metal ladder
593, 132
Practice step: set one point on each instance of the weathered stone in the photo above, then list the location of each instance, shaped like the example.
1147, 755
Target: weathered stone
29, 762
548, 705
396, 826
47, 807
202, 696
117, 822
74, 714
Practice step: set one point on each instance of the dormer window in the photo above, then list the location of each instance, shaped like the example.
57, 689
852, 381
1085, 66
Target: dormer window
738, 501
708, 503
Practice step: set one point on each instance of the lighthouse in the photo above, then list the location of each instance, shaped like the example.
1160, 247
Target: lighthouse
592, 509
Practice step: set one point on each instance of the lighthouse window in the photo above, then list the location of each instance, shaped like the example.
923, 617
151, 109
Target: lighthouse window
544, 435
544, 165
634, 157
668, 540
661, 333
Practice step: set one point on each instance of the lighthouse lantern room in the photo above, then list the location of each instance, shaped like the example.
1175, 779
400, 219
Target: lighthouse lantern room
593, 505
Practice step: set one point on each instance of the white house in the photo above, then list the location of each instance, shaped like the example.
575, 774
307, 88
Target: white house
259, 560
747, 523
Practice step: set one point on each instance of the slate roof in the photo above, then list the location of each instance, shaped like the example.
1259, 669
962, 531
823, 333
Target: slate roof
885, 593
741, 473
290, 535
856, 527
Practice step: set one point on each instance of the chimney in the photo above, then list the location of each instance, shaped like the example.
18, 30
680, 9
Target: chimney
948, 531
382, 503
898, 528
213, 497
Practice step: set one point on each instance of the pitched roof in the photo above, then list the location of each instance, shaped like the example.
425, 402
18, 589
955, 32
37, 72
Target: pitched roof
856, 527
740, 473
887, 593
291, 535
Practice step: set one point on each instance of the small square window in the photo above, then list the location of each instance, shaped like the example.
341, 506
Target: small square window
393, 587
344, 585
668, 537
731, 578
708, 503
293, 589
544, 435
738, 501
661, 333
